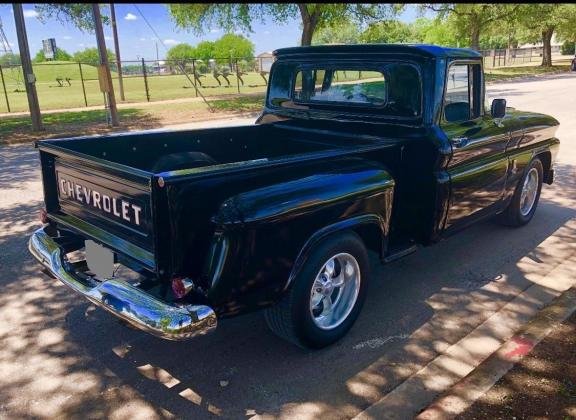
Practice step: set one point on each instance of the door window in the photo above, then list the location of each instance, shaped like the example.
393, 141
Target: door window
463, 92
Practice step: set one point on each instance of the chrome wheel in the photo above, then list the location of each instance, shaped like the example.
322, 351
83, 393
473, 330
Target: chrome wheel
335, 291
529, 192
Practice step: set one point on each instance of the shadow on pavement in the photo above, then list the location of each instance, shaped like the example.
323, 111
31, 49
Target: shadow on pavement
62, 357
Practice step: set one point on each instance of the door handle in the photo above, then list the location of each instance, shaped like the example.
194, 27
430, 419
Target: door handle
459, 141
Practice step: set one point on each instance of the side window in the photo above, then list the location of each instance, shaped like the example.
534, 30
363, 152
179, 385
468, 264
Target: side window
463, 92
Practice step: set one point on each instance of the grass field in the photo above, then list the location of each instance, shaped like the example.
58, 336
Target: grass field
160, 87
16, 129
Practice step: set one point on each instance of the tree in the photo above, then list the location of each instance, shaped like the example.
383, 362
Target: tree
10, 59
233, 46
543, 19
79, 14
344, 33
388, 31
205, 50
473, 19
313, 16
60, 55
437, 31
90, 56
181, 52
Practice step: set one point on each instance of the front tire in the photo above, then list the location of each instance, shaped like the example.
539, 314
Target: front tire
326, 296
525, 200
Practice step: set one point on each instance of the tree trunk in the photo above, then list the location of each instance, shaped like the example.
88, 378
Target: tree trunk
547, 47
309, 23
475, 38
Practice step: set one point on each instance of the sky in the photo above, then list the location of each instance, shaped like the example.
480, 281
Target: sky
137, 40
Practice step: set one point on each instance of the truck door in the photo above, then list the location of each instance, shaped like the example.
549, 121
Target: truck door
478, 166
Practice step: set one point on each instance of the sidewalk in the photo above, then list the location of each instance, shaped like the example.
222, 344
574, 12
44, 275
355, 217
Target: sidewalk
542, 385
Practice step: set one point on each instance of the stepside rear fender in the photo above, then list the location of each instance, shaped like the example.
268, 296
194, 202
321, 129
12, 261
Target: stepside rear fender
263, 236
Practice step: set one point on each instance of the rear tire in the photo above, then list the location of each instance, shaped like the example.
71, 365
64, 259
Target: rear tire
525, 199
326, 296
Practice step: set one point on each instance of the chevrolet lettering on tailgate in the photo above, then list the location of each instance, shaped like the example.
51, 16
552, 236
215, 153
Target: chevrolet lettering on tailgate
123, 209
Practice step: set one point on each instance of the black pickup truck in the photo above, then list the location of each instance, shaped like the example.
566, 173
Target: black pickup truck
359, 148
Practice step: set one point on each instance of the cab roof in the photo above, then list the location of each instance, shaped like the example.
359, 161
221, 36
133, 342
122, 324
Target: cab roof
424, 50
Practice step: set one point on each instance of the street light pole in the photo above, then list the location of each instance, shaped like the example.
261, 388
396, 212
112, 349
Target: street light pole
29, 77
104, 70
117, 50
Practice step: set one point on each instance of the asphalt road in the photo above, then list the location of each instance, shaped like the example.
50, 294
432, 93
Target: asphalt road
62, 357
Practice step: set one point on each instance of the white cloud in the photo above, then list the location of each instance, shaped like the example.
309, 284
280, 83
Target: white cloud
80, 45
66, 37
30, 13
170, 42
266, 32
142, 39
215, 30
108, 38
130, 16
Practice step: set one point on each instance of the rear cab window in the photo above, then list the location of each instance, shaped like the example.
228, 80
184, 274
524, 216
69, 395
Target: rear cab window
387, 89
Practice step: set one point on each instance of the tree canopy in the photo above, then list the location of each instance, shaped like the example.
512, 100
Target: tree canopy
10, 59
181, 52
79, 14
61, 55
313, 16
205, 50
91, 56
232, 45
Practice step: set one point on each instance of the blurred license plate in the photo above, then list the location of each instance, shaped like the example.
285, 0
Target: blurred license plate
100, 260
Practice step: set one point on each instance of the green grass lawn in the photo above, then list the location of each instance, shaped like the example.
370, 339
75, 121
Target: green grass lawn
70, 123
160, 87
522, 71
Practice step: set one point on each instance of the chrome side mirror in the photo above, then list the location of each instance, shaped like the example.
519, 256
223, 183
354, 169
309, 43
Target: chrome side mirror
498, 108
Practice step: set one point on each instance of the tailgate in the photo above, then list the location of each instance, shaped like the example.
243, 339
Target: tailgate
104, 201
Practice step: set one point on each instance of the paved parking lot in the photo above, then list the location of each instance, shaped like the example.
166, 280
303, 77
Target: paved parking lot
60, 356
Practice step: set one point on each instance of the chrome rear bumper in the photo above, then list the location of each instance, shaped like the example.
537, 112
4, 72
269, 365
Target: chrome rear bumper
130, 303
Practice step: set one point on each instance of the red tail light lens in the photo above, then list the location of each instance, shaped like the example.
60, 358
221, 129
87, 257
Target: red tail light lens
181, 286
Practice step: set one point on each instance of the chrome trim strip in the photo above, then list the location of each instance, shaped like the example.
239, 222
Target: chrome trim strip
135, 306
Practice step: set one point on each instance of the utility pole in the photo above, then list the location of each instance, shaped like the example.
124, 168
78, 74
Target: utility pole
104, 68
29, 77
117, 51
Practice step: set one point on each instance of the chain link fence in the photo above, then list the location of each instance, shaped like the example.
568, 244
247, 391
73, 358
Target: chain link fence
514, 56
64, 85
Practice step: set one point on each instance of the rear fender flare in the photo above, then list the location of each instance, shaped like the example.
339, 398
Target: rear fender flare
350, 224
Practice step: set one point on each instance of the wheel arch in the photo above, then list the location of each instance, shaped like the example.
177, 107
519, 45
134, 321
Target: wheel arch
370, 228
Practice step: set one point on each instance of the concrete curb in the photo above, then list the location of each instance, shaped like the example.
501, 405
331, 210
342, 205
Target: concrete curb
462, 395
461, 359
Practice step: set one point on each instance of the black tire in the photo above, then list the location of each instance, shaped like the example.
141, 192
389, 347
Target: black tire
291, 317
513, 216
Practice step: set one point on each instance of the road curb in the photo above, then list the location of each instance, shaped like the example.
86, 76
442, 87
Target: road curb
462, 395
460, 360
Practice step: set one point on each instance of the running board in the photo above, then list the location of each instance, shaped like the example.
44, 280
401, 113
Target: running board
400, 253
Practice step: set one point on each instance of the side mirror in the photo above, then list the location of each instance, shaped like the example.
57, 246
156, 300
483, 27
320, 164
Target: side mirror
498, 108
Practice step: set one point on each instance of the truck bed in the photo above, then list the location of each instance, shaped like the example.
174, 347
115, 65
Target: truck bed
148, 152
106, 187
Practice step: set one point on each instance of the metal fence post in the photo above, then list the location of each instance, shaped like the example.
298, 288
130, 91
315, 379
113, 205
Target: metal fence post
5, 91
237, 76
145, 80
83, 86
193, 75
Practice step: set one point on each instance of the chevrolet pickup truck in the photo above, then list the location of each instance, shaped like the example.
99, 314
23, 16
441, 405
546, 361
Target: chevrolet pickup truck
380, 148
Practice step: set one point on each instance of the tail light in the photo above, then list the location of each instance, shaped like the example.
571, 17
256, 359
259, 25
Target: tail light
181, 286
